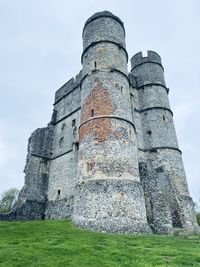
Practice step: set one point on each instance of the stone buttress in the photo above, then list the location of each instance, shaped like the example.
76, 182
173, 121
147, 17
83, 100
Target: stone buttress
109, 193
162, 173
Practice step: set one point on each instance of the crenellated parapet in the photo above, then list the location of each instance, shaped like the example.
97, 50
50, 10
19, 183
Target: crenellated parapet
68, 87
148, 70
152, 57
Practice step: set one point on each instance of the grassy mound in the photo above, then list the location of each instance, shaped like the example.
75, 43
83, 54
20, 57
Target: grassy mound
59, 243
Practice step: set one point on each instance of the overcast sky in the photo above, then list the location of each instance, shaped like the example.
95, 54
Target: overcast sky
40, 49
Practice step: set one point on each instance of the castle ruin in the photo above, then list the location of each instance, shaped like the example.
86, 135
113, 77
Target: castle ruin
109, 158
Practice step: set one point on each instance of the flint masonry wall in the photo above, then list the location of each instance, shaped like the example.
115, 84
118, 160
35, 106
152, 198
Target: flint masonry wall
109, 194
64, 158
161, 168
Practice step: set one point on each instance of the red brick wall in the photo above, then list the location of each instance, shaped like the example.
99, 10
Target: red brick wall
100, 102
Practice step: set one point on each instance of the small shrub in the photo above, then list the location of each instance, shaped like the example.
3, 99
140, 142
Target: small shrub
198, 218
7, 200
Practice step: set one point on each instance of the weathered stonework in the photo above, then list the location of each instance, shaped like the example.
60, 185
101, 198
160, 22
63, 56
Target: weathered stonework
109, 158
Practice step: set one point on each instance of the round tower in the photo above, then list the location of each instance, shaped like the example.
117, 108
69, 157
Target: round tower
109, 194
159, 139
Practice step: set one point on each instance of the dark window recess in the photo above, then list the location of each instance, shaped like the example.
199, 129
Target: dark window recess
164, 118
58, 192
92, 113
160, 169
121, 88
73, 122
74, 132
149, 132
61, 141
130, 134
153, 150
76, 146
88, 166
63, 126
95, 64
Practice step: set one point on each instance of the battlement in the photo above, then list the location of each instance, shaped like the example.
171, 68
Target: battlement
68, 86
105, 14
152, 57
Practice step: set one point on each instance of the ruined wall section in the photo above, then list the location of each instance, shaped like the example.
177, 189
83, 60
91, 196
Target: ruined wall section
64, 158
33, 196
37, 164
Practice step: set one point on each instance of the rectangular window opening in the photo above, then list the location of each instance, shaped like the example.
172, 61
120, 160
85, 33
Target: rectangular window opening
73, 122
88, 167
76, 146
164, 118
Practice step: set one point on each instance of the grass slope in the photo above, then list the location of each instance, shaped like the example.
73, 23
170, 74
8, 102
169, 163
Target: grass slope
59, 243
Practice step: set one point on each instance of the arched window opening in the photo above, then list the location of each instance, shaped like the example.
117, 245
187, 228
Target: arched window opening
92, 113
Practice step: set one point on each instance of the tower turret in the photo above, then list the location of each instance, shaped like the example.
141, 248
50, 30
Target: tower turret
109, 194
161, 169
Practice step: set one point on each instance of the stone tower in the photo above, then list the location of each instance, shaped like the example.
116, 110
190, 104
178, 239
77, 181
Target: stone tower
109, 158
110, 196
161, 168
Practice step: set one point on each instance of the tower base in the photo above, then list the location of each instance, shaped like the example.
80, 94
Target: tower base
112, 206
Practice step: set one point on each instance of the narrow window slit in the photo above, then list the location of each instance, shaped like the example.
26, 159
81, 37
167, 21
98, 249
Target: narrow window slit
61, 141
76, 146
73, 122
164, 118
88, 167
63, 126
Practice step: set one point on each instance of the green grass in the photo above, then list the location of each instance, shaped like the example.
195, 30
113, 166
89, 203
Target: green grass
59, 243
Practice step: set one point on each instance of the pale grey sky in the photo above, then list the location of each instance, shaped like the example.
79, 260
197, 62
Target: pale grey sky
40, 49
